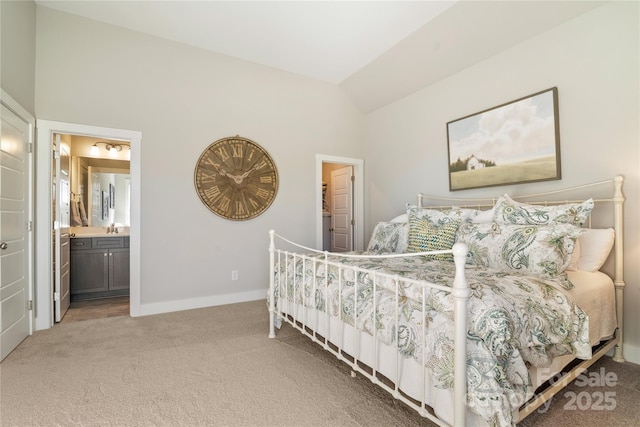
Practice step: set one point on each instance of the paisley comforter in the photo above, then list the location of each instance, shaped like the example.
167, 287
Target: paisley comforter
513, 321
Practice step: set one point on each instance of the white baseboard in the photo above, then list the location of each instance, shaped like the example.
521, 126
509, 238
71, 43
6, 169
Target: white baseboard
210, 301
631, 353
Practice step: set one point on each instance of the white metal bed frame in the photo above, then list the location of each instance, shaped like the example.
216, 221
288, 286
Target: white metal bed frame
312, 320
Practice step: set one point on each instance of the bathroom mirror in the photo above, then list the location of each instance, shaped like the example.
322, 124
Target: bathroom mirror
101, 192
109, 195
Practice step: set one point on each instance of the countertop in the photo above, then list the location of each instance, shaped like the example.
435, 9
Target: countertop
79, 232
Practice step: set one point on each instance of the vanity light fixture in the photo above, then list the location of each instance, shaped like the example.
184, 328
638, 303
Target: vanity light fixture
113, 148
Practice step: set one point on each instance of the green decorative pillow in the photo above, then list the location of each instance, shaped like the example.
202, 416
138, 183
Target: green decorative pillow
542, 251
508, 211
425, 236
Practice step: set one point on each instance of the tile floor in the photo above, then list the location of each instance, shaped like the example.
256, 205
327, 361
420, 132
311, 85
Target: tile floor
97, 308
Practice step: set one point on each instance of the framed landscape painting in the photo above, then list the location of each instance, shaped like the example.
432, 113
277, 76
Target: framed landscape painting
512, 143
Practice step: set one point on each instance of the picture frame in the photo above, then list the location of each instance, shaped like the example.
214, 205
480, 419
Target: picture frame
513, 143
112, 196
105, 205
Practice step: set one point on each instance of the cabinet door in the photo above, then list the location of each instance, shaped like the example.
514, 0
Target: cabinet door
89, 271
119, 269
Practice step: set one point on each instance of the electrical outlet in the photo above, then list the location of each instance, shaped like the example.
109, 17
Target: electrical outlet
234, 275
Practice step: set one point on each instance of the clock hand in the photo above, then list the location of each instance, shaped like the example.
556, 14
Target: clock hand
220, 170
239, 178
246, 174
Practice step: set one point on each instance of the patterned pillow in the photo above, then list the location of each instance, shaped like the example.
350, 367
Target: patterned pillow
533, 250
425, 236
435, 216
508, 211
389, 237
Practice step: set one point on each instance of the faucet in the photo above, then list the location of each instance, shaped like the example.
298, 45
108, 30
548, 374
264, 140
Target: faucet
112, 229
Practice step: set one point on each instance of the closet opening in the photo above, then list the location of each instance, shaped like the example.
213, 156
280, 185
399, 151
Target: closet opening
339, 204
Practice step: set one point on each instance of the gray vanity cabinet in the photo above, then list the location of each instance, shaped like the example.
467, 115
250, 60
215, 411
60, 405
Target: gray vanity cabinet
99, 267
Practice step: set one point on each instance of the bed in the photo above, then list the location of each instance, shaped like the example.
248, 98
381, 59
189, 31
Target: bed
470, 311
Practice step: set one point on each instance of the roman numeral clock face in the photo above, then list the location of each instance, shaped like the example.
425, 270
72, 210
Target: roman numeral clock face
236, 178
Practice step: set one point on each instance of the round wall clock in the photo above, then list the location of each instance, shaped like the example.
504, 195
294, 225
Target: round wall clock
236, 178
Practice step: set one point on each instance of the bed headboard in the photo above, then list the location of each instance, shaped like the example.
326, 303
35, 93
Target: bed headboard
607, 212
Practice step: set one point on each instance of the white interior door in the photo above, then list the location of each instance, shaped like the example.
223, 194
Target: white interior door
61, 290
342, 209
15, 225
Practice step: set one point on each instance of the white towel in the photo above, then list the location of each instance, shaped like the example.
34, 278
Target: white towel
75, 214
83, 214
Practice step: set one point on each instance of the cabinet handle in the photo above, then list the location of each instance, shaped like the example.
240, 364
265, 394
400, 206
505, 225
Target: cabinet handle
105, 254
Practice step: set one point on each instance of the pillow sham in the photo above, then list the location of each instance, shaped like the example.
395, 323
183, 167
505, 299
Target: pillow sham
425, 236
435, 216
508, 211
575, 256
389, 237
534, 250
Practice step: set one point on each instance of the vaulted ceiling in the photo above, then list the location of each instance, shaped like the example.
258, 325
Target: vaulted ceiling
376, 51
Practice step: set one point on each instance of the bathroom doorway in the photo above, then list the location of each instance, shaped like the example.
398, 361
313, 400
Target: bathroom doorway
92, 199
129, 144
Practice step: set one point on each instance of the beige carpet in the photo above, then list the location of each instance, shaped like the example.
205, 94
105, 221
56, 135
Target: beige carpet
217, 367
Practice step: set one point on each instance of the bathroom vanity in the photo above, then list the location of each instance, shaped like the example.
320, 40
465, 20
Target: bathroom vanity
99, 266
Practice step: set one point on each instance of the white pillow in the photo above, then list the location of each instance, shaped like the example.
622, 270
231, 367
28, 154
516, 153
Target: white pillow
595, 246
484, 217
401, 218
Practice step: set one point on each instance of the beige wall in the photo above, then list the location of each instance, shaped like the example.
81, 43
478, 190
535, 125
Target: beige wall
18, 51
593, 60
182, 99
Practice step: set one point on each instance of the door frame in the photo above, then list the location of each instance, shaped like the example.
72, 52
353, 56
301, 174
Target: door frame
21, 112
358, 196
43, 272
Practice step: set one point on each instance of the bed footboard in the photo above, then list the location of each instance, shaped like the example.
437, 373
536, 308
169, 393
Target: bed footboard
361, 349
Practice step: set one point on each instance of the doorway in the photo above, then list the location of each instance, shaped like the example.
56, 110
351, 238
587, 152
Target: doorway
337, 207
46, 131
88, 172
339, 211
